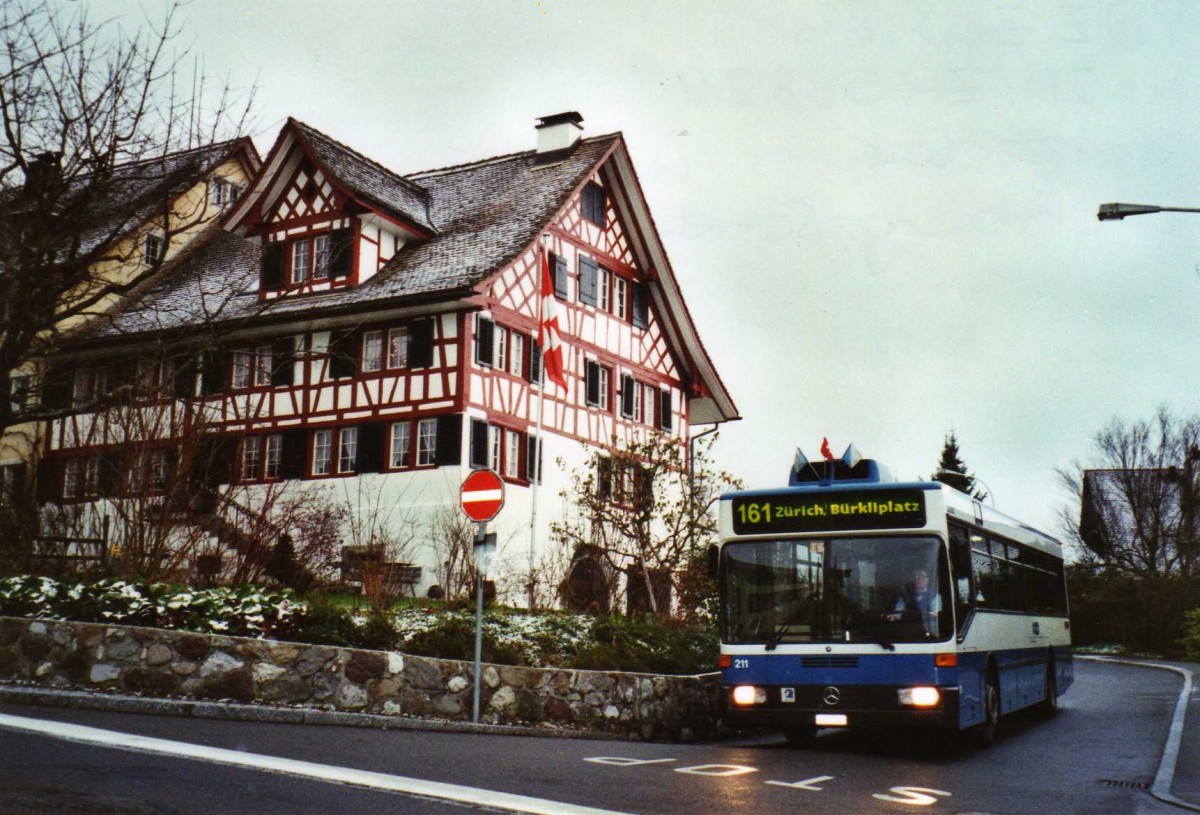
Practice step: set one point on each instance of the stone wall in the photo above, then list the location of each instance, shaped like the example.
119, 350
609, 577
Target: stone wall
160, 663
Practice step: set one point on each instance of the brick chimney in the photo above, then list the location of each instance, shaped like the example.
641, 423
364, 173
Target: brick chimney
558, 134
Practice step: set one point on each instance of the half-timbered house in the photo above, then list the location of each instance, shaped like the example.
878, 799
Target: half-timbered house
367, 336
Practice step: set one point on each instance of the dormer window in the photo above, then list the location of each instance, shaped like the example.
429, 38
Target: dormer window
222, 193
317, 258
152, 249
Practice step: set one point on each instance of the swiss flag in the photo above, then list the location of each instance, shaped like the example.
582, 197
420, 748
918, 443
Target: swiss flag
825, 451
548, 339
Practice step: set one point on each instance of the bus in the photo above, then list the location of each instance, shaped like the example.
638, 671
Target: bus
848, 599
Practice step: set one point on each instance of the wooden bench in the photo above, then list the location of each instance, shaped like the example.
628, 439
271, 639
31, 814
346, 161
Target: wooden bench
396, 576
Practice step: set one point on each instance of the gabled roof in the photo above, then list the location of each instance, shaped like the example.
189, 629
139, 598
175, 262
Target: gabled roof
369, 183
139, 190
481, 216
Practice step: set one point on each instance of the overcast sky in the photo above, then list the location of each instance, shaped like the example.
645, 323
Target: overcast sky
882, 215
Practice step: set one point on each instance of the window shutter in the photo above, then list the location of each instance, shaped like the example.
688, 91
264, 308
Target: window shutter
49, 480
370, 447
449, 440
340, 253
533, 460
184, 377
272, 266
645, 489
341, 354
294, 455
640, 313
592, 392
628, 388
420, 344
283, 358
478, 455
485, 341
112, 473
665, 406
535, 362
604, 473
215, 369
587, 280
56, 387
594, 204
559, 264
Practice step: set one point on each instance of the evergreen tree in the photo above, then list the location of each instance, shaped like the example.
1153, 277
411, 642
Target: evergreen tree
952, 470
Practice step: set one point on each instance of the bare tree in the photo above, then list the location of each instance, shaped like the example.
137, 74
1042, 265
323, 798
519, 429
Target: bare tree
452, 536
643, 512
87, 113
1136, 509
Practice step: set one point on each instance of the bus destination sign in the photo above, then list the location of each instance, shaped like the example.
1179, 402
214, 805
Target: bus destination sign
828, 511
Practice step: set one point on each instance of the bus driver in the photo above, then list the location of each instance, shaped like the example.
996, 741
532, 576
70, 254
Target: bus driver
920, 597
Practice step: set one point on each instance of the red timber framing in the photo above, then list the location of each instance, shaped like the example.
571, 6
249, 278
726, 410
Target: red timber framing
603, 340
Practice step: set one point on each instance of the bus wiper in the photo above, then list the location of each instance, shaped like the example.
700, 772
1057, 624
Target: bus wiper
777, 637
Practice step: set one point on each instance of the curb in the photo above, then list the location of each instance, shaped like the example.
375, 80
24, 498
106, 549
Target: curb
1163, 779
117, 703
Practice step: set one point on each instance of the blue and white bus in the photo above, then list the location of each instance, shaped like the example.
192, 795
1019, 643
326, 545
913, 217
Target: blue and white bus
848, 599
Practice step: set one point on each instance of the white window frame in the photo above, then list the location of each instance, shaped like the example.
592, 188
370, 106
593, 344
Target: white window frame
621, 298
399, 344
348, 450
243, 365
517, 354
427, 442
322, 452
262, 366
512, 454
320, 253
372, 352
605, 384
500, 341
494, 448
603, 281
273, 456
301, 260
152, 248
400, 445
91, 476
251, 457
71, 478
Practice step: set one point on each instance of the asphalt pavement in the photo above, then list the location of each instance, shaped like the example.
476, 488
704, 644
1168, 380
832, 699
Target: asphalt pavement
1177, 781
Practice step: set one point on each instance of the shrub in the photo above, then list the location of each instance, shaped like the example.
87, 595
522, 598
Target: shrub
1190, 642
648, 644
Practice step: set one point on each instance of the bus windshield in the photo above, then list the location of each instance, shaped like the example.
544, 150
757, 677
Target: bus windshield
840, 589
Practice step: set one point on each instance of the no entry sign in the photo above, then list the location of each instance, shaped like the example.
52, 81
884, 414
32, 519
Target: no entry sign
482, 495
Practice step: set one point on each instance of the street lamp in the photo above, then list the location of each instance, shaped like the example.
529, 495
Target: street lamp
1117, 212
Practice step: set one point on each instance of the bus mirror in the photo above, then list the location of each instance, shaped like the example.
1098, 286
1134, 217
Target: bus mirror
713, 561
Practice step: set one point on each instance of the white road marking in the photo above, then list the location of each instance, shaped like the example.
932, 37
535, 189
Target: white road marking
303, 769
914, 796
717, 770
807, 784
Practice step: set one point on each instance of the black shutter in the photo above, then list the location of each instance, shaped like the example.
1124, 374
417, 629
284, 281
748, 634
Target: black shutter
112, 473
594, 204
340, 254
420, 344
215, 369
184, 377
478, 454
449, 440
664, 409
294, 455
640, 313
604, 476
628, 386
485, 341
587, 280
213, 464
592, 391
49, 480
535, 362
370, 447
533, 460
283, 358
272, 266
559, 265
56, 387
341, 354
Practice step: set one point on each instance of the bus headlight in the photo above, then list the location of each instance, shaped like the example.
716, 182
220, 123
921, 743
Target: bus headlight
920, 697
749, 695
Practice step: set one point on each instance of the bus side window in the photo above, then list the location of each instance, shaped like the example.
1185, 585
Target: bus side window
960, 554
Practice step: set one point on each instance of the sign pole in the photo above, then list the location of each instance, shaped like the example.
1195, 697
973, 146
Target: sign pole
480, 536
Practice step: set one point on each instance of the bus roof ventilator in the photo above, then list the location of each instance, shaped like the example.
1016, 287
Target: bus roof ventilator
851, 468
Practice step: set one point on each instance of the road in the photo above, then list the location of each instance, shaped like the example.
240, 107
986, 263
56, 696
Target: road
1095, 757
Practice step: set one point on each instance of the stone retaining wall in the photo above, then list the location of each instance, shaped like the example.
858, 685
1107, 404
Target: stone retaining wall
161, 663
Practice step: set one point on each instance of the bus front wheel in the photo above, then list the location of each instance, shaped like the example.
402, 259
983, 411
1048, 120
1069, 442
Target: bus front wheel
985, 733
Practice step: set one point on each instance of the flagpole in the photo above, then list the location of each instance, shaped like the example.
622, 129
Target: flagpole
536, 468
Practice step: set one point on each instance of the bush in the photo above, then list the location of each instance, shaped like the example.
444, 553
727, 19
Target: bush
650, 645
1139, 614
1190, 642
